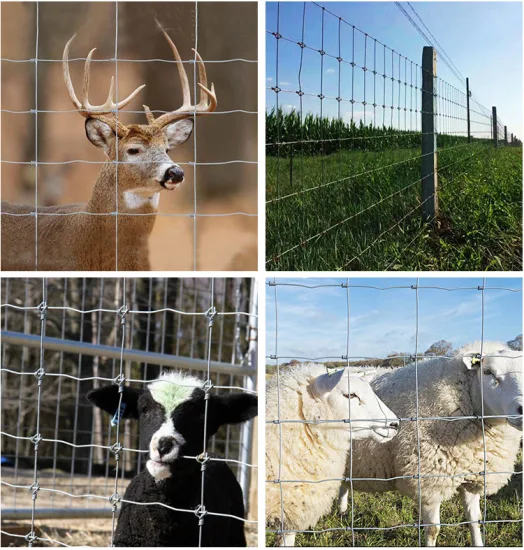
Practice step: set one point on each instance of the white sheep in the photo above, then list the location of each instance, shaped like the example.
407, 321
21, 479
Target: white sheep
448, 387
314, 452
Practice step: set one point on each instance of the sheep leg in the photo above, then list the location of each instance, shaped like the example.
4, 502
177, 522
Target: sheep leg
343, 498
287, 539
431, 520
471, 503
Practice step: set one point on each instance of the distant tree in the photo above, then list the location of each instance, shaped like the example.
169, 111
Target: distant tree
442, 347
516, 343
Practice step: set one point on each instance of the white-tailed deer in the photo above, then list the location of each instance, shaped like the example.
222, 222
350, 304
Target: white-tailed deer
122, 209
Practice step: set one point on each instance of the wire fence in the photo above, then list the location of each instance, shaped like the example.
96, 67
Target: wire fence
64, 337
353, 130
48, 177
387, 520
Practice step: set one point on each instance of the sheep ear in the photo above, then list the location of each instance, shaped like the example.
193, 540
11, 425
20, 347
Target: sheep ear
107, 398
326, 383
235, 408
471, 360
367, 376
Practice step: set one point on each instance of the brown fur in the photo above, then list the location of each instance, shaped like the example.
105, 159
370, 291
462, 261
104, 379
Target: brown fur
84, 241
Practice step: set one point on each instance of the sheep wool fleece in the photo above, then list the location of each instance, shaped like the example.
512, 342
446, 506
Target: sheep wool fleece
309, 452
447, 448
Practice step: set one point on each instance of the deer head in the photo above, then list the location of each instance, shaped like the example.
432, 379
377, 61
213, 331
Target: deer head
141, 150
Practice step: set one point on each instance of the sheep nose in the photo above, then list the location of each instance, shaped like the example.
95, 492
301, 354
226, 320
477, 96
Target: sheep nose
174, 174
394, 425
165, 445
519, 409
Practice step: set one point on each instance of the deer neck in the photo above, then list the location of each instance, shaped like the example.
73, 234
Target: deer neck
139, 200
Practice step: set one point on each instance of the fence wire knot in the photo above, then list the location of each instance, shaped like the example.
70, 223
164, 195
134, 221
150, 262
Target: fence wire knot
115, 449
210, 315
39, 375
35, 439
42, 308
122, 312
114, 499
200, 513
119, 381
207, 387
202, 458
30, 537
35, 487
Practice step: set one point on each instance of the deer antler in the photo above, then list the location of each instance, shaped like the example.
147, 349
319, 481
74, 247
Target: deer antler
84, 107
208, 100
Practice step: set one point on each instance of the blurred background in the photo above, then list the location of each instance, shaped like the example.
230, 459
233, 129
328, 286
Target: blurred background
226, 31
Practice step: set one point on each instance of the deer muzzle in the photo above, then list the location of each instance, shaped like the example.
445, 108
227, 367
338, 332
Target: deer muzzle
173, 175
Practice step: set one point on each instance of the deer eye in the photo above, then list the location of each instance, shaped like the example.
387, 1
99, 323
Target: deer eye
133, 151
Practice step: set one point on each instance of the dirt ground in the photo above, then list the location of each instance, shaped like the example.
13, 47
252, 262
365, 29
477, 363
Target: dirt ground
72, 532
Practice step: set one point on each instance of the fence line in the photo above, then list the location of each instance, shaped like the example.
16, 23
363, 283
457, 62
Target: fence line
417, 359
310, 139
230, 306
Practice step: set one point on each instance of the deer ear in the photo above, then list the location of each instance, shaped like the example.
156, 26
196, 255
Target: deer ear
100, 134
178, 132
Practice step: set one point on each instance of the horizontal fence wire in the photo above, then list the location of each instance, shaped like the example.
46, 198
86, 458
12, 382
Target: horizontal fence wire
343, 143
37, 210
276, 364
57, 453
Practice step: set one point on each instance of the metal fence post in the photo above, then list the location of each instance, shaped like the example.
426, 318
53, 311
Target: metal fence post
506, 135
467, 107
495, 128
429, 135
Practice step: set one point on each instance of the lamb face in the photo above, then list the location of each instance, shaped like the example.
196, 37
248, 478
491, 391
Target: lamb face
501, 380
171, 412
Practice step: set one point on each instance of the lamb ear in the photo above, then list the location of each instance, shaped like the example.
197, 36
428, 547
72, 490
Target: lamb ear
471, 360
107, 398
326, 383
235, 408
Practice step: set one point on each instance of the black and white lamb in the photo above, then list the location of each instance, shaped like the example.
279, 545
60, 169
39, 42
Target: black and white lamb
170, 411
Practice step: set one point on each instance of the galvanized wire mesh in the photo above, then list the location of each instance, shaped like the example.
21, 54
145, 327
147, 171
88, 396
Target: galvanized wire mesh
64, 337
280, 333
344, 116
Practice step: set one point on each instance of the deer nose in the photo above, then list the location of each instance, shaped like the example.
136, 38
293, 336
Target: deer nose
165, 445
174, 174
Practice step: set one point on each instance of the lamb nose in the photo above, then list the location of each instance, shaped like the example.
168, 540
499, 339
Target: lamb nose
175, 174
165, 445
519, 410
394, 425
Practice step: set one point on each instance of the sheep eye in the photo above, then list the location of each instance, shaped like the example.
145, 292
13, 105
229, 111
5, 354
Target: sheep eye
133, 151
167, 151
351, 396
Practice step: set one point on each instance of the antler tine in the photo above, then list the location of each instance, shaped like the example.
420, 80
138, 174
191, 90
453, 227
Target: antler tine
84, 107
186, 93
67, 74
208, 100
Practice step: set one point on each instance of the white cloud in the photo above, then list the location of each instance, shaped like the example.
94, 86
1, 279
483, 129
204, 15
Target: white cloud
330, 71
285, 83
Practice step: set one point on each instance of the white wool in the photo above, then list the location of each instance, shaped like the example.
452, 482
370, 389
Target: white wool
447, 448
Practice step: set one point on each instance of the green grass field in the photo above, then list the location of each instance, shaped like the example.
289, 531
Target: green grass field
361, 209
391, 509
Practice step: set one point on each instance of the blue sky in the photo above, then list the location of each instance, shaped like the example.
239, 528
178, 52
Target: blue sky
483, 39
313, 322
